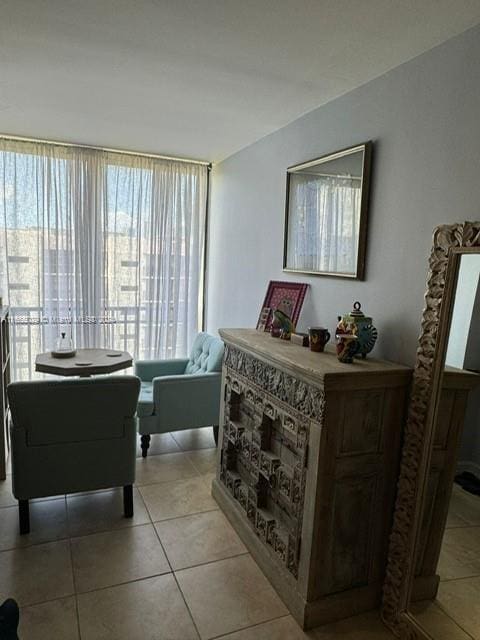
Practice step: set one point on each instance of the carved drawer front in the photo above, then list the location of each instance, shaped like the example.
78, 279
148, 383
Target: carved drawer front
349, 549
264, 449
361, 422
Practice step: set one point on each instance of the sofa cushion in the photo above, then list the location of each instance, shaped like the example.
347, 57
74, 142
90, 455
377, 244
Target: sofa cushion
206, 356
145, 400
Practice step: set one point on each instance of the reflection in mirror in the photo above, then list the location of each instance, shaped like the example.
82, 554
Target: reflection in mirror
445, 597
325, 219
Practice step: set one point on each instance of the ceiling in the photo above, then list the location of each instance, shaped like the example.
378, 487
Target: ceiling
199, 78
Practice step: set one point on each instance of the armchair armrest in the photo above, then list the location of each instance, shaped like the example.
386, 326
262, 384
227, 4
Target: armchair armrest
146, 370
189, 399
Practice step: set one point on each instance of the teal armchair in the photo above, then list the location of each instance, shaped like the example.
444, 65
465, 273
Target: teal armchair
72, 435
182, 393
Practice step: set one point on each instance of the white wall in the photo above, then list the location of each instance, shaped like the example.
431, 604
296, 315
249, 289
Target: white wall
424, 120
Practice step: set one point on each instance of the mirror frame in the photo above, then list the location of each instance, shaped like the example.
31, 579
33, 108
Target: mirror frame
449, 243
359, 274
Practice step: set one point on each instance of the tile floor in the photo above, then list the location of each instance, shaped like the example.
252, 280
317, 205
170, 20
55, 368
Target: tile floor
176, 571
455, 614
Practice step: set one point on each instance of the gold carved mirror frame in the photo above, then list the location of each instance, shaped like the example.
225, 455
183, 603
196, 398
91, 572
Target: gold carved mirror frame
449, 243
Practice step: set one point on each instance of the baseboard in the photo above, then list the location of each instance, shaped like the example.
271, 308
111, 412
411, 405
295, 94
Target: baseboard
467, 465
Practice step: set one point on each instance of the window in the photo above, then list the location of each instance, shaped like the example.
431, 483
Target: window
106, 245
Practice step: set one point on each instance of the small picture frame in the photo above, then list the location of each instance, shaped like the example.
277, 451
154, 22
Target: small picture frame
287, 296
263, 318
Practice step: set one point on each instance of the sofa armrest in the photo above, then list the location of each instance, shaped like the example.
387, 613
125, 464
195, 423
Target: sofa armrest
188, 400
146, 370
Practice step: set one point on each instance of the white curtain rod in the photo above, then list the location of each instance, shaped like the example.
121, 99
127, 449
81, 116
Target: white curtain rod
105, 149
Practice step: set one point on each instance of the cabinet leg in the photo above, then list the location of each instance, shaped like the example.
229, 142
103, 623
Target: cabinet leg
24, 516
145, 440
128, 501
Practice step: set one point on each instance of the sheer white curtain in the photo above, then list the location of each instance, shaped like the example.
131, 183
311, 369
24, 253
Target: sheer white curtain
323, 227
106, 246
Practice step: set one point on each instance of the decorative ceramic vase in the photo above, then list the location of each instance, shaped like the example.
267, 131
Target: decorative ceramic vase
347, 345
359, 324
275, 331
318, 338
280, 319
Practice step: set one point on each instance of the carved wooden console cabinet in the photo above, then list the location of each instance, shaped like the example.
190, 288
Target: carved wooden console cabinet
307, 466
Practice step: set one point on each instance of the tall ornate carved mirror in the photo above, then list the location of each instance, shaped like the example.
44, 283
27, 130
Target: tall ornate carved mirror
432, 587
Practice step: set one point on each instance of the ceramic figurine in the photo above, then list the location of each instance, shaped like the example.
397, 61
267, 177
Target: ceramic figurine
286, 325
342, 327
275, 329
347, 345
359, 324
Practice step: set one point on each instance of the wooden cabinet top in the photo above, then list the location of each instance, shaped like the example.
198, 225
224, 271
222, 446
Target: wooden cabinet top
323, 368
460, 378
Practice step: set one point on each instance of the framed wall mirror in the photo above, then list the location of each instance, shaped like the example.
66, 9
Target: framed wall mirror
432, 586
326, 214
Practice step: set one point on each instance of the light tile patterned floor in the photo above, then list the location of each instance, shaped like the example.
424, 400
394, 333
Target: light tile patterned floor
176, 571
455, 613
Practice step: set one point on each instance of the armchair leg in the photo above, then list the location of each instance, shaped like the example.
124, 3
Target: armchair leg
128, 501
145, 440
24, 516
215, 434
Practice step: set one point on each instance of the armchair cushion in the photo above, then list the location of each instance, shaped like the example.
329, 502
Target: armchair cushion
146, 370
181, 401
145, 406
49, 410
206, 356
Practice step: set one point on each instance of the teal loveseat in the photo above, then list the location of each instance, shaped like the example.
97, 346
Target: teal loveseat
72, 435
182, 393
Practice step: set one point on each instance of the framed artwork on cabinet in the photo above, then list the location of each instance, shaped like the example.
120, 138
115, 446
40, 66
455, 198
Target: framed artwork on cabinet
286, 296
